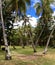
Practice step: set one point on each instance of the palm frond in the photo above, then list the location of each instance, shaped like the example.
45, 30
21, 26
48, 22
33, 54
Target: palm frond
38, 8
22, 6
37, 5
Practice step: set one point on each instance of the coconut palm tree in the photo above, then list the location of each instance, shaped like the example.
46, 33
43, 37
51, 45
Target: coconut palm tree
17, 5
40, 35
44, 8
10, 5
49, 40
28, 31
7, 55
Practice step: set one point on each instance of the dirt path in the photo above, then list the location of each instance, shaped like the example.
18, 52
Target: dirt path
26, 57
22, 59
50, 56
32, 57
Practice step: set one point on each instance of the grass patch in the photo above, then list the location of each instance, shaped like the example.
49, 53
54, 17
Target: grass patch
48, 59
26, 50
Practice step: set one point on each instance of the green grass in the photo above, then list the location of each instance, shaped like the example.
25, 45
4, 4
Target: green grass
48, 59
29, 50
26, 50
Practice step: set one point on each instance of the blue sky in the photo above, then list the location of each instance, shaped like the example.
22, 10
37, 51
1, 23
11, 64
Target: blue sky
31, 10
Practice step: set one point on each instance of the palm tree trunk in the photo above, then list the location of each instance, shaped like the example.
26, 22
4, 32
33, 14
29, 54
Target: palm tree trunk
46, 48
39, 36
16, 6
7, 51
34, 47
22, 43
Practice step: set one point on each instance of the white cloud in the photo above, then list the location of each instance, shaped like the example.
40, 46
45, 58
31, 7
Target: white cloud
52, 6
17, 24
53, 14
33, 22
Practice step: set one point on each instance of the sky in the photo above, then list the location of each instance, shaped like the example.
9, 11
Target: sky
33, 22
31, 12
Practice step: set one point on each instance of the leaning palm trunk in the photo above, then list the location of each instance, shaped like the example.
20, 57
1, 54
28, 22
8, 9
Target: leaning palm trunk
39, 36
34, 48
46, 48
7, 51
33, 45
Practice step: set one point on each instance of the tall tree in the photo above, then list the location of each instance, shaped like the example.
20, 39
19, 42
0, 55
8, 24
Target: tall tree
29, 31
49, 40
7, 54
17, 5
44, 8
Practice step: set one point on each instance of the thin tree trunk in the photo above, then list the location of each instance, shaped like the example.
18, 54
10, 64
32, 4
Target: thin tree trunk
34, 47
39, 36
22, 43
7, 51
46, 48
16, 6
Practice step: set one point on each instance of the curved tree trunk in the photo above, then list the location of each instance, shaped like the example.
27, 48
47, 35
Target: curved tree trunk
33, 45
34, 48
16, 6
46, 48
7, 51
25, 21
39, 36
